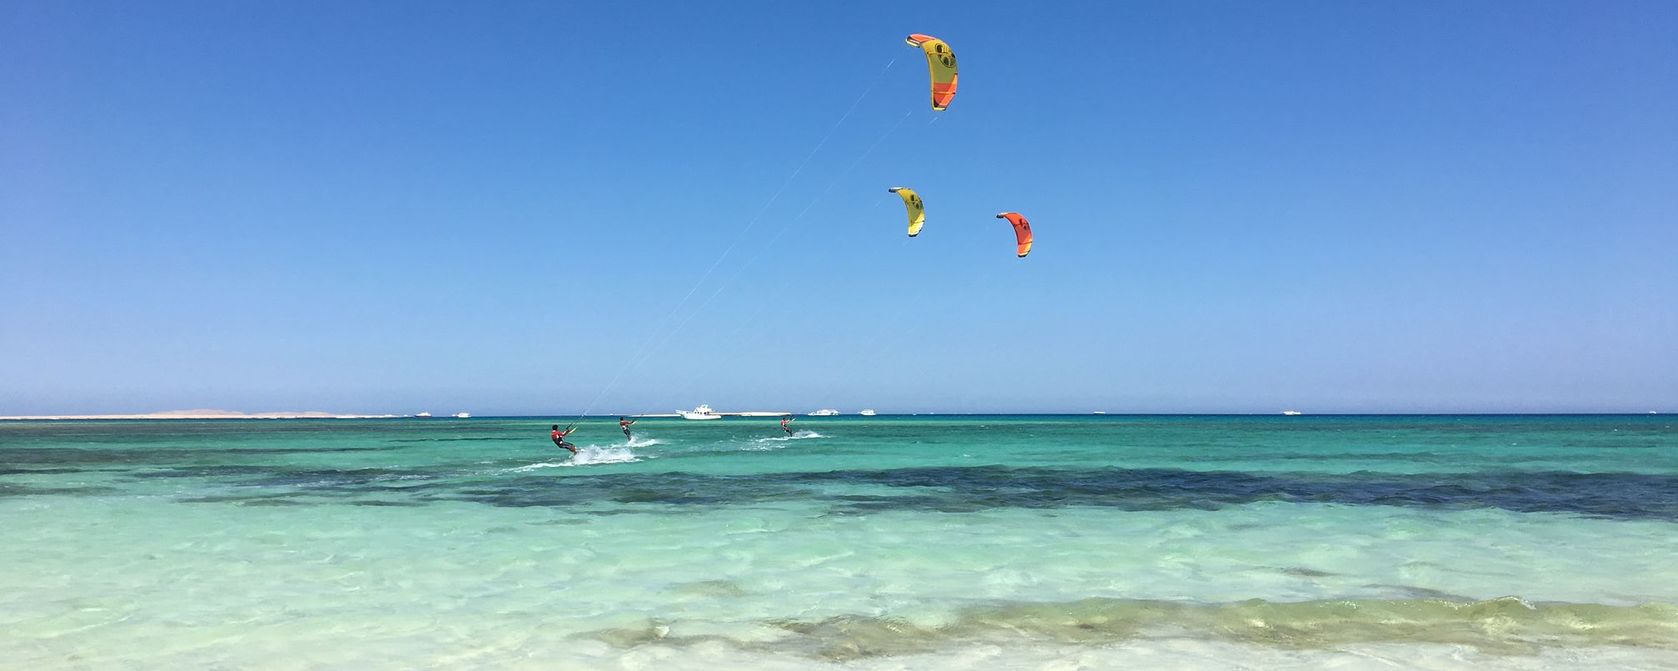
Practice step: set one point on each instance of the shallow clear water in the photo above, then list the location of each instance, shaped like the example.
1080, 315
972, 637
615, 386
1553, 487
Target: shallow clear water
884, 542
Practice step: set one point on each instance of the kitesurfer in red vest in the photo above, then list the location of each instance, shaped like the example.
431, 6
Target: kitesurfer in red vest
559, 439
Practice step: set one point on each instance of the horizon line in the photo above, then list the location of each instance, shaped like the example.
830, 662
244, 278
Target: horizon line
142, 417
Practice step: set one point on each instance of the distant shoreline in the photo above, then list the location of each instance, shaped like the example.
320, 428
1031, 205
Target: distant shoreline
202, 414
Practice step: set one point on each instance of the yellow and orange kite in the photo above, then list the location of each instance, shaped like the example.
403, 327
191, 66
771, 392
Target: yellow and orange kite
941, 65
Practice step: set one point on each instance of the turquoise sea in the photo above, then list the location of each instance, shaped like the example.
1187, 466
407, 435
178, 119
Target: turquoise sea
930, 542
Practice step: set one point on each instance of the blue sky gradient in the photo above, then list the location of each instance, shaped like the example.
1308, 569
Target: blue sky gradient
1240, 207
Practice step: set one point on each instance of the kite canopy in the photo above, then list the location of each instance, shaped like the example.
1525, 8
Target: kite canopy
941, 65
911, 204
1022, 232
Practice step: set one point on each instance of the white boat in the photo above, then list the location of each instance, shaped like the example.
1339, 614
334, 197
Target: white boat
1292, 413
702, 412
824, 412
463, 415
867, 412
423, 415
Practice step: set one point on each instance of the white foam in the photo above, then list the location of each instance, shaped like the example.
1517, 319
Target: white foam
590, 455
643, 442
779, 442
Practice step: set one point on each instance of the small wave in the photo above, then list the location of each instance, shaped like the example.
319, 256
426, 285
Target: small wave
799, 435
643, 442
532, 467
405, 476
778, 442
1507, 626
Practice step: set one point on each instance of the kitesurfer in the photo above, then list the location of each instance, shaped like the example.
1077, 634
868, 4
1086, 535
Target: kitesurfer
784, 426
559, 439
624, 423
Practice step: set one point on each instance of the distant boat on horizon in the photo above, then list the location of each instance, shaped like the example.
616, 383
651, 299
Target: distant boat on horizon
423, 415
700, 413
463, 415
1292, 413
824, 412
867, 412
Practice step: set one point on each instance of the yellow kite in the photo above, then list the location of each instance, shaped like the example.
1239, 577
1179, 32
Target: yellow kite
912, 204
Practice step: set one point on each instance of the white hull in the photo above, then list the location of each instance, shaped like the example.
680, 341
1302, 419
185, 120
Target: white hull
701, 413
704, 412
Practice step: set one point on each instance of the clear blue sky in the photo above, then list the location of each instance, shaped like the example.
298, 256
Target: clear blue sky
405, 206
